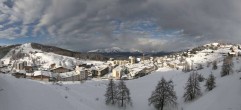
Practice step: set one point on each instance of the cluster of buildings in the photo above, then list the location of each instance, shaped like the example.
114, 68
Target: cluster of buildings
79, 72
184, 60
117, 69
132, 68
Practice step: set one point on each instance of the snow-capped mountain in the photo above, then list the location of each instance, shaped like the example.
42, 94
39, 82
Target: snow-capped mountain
108, 50
114, 50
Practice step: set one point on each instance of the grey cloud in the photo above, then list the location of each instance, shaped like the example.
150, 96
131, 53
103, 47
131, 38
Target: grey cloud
87, 24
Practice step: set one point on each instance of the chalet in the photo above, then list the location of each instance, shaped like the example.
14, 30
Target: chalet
85, 65
103, 70
20, 74
41, 75
232, 54
136, 72
28, 69
99, 71
60, 70
72, 76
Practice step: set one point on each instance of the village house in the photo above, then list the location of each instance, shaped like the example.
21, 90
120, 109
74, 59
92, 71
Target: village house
19, 65
139, 70
135, 72
85, 65
41, 76
121, 62
100, 71
60, 70
83, 72
132, 60
72, 76
28, 69
232, 54
117, 72
19, 74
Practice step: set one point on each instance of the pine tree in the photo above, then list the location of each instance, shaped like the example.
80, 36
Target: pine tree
210, 83
192, 88
227, 67
111, 92
123, 94
163, 95
200, 78
215, 65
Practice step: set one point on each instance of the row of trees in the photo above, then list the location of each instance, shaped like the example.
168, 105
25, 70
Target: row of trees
117, 94
163, 95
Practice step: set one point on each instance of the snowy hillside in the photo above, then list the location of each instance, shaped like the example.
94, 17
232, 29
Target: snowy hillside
24, 94
25, 52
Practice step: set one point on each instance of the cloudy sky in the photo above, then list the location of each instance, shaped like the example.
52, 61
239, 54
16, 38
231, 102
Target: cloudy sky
146, 25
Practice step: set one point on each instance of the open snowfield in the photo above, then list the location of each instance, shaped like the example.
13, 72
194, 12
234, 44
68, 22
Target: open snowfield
22, 94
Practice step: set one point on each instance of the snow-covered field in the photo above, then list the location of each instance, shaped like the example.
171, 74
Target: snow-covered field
22, 94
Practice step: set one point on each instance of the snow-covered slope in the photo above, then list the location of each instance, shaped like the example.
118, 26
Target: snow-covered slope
25, 52
21, 94
25, 94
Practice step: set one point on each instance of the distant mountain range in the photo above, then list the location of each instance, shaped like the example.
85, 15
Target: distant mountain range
119, 53
98, 54
114, 50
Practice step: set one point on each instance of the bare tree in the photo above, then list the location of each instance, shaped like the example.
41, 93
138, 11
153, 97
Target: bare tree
163, 95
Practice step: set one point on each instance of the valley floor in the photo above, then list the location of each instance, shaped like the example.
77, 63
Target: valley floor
22, 94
